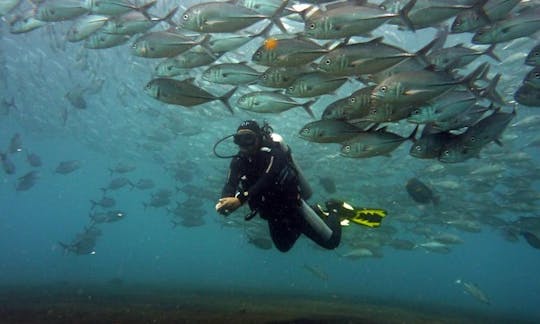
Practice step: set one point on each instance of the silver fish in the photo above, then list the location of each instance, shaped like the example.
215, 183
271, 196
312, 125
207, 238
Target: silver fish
25, 23
328, 131
523, 25
270, 102
83, 27
164, 44
223, 17
231, 73
181, 64
287, 52
474, 291
533, 58
115, 7
314, 84
443, 107
183, 93
348, 20
474, 18
528, 96
58, 10
281, 77
373, 143
100, 40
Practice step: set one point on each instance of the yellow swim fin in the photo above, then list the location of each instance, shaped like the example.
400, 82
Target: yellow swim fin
371, 217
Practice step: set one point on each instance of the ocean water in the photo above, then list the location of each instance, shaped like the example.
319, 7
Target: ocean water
144, 269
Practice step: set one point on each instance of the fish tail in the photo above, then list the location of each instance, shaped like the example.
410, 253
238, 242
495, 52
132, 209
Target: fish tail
307, 107
276, 17
475, 75
93, 204
265, 32
144, 9
490, 92
490, 52
412, 137
225, 99
168, 17
404, 15
421, 53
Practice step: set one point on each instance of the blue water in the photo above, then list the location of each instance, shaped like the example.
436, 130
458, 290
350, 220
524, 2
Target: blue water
144, 248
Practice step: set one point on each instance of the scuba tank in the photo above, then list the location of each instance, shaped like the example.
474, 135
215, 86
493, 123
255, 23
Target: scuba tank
305, 188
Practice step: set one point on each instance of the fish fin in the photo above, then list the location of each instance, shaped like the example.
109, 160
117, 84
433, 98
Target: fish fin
225, 99
404, 14
307, 107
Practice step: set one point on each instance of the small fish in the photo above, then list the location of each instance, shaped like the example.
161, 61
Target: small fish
317, 272
144, 184
66, 167
122, 167
33, 159
434, 246
25, 23
281, 77
181, 64
105, 202
116, 184
76, 98
7, 164
100, 40
27, 181
474, 291
532, 79
328, 184
116, 7
15, 144
353, 107
420, 192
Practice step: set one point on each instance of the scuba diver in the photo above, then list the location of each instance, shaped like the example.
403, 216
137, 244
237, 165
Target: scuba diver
264, 175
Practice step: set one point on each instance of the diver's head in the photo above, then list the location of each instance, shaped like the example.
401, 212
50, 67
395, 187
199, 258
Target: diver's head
248, 137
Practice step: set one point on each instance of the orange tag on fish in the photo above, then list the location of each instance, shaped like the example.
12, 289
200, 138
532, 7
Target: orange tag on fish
270, 43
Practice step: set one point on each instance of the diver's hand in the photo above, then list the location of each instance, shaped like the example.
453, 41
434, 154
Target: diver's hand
227, 205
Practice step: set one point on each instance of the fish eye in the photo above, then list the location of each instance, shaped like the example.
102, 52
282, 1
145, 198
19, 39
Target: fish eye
264, 77
416, 112
473, 139
418, 148
185, 17
537, 75
311, 26
327, 62
457, 22
352, 99
347, 148
169, 68
447, 152
258, 53
291, 88
383, 88
383, 7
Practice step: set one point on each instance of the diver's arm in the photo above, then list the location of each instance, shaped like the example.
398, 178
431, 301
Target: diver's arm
274, 164
233, 178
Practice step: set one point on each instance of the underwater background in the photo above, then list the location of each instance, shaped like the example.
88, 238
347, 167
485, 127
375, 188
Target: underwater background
149, 251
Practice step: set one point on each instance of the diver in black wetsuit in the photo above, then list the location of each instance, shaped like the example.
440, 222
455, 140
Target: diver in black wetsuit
264, 175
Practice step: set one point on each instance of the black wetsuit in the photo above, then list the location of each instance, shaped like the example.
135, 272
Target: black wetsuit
268, 182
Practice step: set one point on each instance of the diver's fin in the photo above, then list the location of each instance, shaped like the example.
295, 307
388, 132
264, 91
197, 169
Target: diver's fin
371, 217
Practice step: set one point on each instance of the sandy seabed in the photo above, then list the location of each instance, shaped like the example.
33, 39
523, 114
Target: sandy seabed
118, 303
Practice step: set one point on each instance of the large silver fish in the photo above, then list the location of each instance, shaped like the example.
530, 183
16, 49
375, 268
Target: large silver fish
443, 107
181, 64
417, 87
355, 106
183, 93
314, 84
287, 52
25, 22
134, 22
328, 131
362, 58
115, 7
85, 26
281, 77
100, 40
231, 73
224, 17
373, 143
348, 19
476, 17
58, 10
523, 25
162, 44
270, 102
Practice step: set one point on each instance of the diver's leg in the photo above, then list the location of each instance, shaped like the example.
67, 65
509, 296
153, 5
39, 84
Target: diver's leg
325, 233
284, 234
